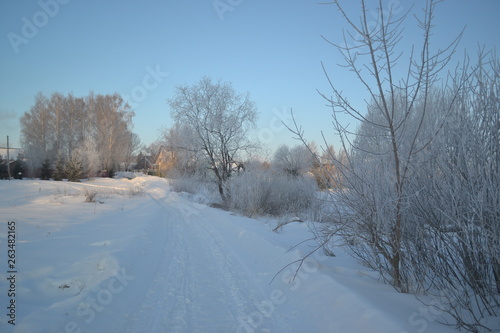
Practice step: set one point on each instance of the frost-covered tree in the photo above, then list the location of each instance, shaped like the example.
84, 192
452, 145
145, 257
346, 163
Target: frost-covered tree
111, 124
54, 127
133, 145
36, 131
88, 154
390, 138
187, 159
420, 199
76, 123
218, 119
56, 106
294, 161
380, 162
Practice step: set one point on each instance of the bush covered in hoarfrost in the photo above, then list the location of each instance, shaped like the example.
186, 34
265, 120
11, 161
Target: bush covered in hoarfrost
197, 188
186, 184
269, 192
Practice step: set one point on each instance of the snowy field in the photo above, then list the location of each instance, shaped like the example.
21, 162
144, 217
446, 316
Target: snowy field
142, 258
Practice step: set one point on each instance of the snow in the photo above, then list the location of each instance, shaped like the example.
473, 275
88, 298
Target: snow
145, 259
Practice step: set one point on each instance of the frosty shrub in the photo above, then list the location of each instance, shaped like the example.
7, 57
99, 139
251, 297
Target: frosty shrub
269, 192
90, 195
135, 191
186, 184
419, 198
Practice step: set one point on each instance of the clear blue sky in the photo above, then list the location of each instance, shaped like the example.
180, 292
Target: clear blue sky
272, 49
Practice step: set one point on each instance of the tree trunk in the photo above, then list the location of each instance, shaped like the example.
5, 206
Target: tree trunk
496, 273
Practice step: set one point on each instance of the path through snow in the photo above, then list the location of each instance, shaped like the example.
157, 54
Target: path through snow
159, 262
201, 284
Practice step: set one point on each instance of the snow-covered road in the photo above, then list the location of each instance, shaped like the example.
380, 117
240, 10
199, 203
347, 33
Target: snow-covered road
159, 262
201, 284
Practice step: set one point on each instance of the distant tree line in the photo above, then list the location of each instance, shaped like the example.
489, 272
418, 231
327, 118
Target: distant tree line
68, 136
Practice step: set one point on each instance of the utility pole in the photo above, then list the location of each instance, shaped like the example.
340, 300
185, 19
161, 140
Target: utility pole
8, 158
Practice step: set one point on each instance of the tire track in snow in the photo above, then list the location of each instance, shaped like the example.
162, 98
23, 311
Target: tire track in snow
243, 289
200, 285
163, 296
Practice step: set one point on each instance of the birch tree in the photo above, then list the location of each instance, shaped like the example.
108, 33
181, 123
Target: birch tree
56, 108
112, 118
36, 129
56, 128
76, 123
